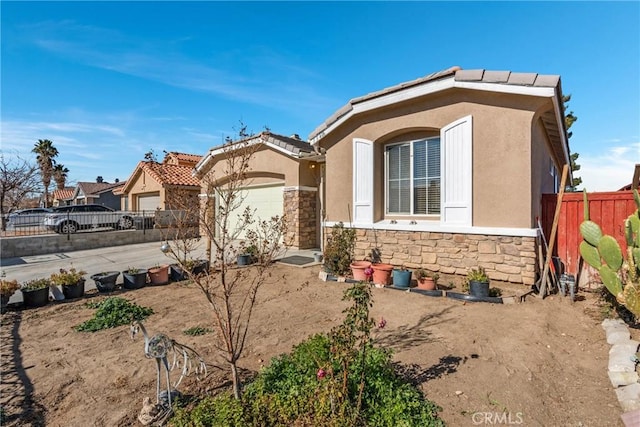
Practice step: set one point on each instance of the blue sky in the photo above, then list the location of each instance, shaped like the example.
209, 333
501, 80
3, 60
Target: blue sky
108, 81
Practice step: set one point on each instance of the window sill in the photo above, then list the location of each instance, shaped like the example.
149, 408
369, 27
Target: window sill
437, 227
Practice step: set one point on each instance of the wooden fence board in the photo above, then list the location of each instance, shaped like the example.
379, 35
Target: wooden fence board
609, 210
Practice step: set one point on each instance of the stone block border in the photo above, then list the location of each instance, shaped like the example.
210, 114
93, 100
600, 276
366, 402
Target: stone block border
622, 368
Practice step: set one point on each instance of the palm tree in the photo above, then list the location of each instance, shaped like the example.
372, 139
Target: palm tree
60, 175
45, 154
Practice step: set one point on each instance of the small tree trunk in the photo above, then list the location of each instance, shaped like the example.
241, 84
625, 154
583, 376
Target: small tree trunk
236, 380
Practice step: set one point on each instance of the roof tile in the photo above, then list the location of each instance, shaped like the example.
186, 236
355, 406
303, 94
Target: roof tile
469, 75
525, 79
168, 174
496, 76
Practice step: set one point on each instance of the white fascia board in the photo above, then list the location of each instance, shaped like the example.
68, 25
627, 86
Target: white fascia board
430, 88
214, 152
436, 227
563, 139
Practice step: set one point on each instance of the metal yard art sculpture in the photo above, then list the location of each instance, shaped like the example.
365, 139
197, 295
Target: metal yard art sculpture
163, 348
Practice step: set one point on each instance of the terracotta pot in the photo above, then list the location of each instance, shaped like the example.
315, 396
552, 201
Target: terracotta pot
382, 274
427, 283
159, 275
358, 268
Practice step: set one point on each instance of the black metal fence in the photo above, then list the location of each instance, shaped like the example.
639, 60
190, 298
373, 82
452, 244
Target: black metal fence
72, 222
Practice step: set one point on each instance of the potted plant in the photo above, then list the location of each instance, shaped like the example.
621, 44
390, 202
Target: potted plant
71, 281
401, 277
106, 280
426, 279
134, 278
478, 282
358, 270
7, 289
382, 273
338, 252
35, 293
159, 274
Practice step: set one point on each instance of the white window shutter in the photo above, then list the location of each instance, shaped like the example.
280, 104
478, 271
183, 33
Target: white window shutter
362, 181
457, 177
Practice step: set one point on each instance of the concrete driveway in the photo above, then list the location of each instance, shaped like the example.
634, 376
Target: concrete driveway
115, 258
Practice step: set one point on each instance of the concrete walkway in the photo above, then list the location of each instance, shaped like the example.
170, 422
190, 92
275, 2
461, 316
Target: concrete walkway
115, 258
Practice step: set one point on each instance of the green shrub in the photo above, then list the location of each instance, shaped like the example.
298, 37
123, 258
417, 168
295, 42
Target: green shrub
197, 330
113, 312
338, 252
329, 380
220, 411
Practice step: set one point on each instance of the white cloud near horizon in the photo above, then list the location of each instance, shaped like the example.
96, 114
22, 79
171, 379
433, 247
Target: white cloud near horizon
610, 171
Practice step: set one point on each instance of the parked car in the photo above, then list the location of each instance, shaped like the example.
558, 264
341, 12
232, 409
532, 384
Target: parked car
72, 218
27, 217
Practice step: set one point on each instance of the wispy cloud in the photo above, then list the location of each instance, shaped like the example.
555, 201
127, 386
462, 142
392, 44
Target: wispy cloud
610, 171
269, 78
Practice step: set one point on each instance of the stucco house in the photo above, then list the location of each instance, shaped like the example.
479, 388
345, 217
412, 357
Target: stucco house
447, 171
152, 184
100, 193
283, 179
62, 197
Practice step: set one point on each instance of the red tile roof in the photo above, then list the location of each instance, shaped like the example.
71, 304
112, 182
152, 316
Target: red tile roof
182, 159
169, 174
65, 194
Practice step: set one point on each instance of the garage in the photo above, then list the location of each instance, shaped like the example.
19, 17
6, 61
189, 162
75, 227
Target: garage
264, 201
149, 202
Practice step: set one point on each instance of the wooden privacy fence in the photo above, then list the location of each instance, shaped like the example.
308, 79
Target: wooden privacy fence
609, 210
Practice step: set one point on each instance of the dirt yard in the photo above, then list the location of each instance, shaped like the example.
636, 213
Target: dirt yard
541, 363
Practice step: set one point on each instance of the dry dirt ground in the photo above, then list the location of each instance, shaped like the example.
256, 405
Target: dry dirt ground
537, 363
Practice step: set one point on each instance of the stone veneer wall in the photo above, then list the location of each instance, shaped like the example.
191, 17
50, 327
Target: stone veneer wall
300, 209
506, 258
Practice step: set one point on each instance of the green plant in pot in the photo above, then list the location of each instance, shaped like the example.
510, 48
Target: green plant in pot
134, 278
426, 279
401, 277
71, 281
105, 281
338, 252
35, 293
7, 289
478, 282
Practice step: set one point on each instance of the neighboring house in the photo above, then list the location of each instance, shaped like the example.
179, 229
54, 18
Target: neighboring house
447, 171
283, 179
100, 193
152, 185
63, 197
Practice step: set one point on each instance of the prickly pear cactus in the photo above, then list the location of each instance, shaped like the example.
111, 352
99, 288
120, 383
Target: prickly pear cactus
620, 275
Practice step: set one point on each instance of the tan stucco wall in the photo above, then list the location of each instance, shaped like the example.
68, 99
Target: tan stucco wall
541, 160
268, 165
143, 184
502, 151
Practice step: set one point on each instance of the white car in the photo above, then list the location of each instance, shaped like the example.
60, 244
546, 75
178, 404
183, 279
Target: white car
70, 219
33, 217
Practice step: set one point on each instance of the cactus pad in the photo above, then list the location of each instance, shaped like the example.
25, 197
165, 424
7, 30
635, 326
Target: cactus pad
610, 252
591, 232
611, 280
590, 255
632, 298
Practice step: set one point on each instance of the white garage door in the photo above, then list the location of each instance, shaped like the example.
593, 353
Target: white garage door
149, 202
264, 202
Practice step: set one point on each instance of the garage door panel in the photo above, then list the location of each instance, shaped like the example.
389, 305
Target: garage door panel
264, 203
149, 202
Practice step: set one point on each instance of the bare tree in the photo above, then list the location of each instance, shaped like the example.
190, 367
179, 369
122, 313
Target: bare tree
229, 289
18, 179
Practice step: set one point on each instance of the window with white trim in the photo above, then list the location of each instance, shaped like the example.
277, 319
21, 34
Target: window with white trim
412, 177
